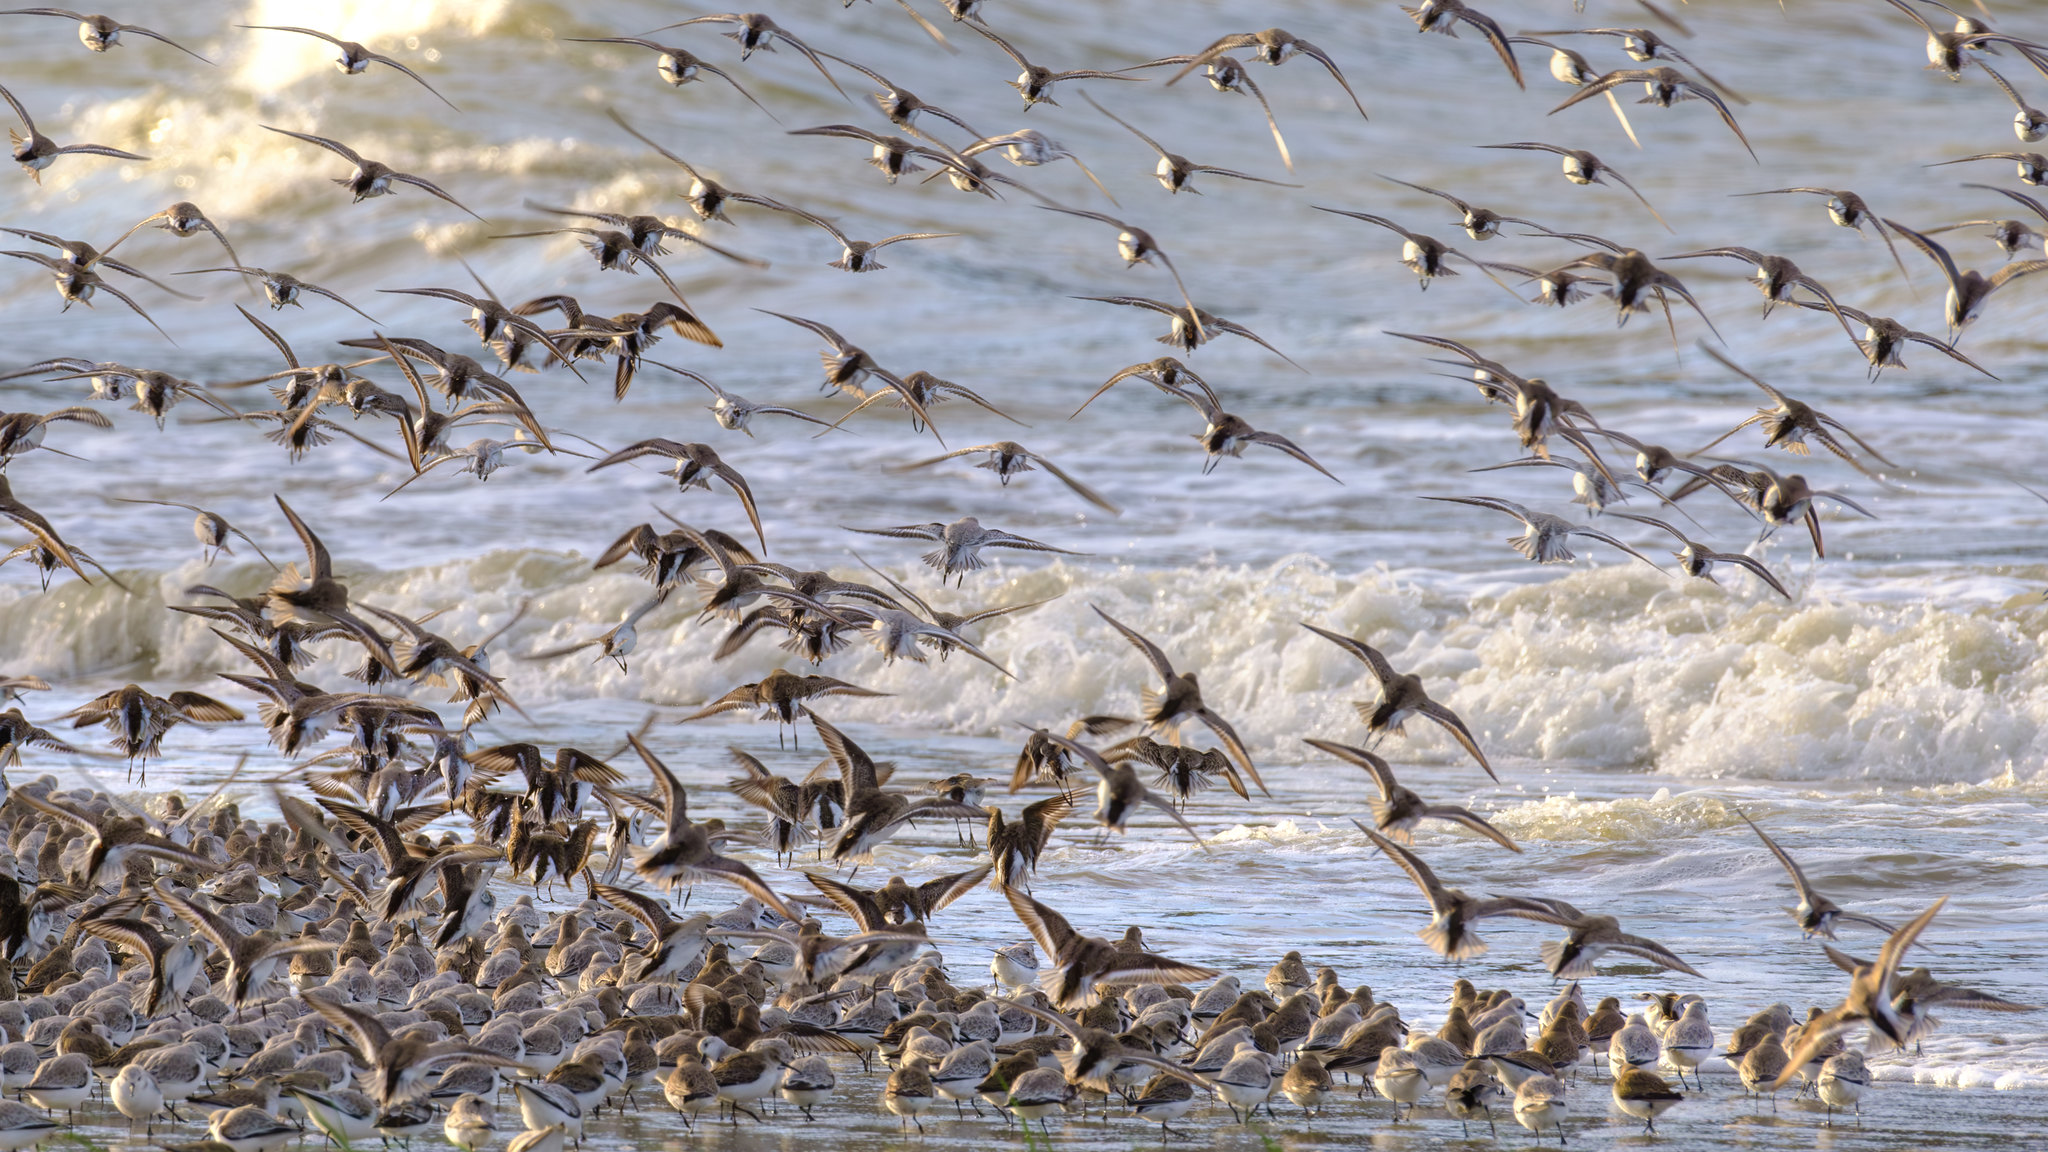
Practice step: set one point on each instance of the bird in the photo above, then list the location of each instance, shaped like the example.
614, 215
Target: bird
1478, 223
1420, 254
1007, 459
1790, 423
695, 467
283, 288
35, 151
1166, 709
1035, 82
139, 721
859, 255
1666, 86
252, 959
1399, 810
1847, 210
1452, 913
370, 178
1273, 46
399, 1066
1546, 539
1697, 560
1401, 696
756, 32
676, 66
1136, 246
1582, 167
961, 543
1968, 292
1190, 332
354, 59
102, 33
1816, 914
1869, 1001
1175, 172
1444, 16
1081, 964
1228, 434
1591, 937
684, 854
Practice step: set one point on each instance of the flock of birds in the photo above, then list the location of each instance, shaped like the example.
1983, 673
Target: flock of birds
338, 967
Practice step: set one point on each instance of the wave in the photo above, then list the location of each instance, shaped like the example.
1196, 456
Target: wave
1613, 667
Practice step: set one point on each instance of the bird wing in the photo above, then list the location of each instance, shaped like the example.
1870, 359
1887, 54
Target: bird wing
1046, 926
1146, 648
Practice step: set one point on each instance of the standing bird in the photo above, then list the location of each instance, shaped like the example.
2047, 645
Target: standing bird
1401, 697
1165, 709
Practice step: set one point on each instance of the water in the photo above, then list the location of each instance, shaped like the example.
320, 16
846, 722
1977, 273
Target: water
1888, 725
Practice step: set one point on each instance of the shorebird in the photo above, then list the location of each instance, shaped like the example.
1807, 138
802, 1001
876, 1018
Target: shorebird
1191, 330
139, 721
1035, 82
354, 59
1227, 74
734, 412
1591, 937
1228, 434
1666, 86
1968, 292
1136, 246
1644, 1095
1697, 560
1014, 848
892, 155
115, 839
1945, 47
859, 255
1452, 913
23, 432
1422, 255
35, 151
961, 543
684, 855
1120, 791
2033, 166
1478, 223
370, 178
1081, 964
45, 536
1399, 810
253, 959
1637, 281
901, 107
1582, 167
1790, 423
1175, 172
317, 598
758, 33
1782, 500
1547, 538
100, 33
400, 1065
1445, 15
283, 288
1884, 341
1402, 696
1775, 277
695, 467
2028, 123
780, 696
1007, 459
873, 814
1030, 148
1164, 710
676, 66
1817, 915
1870, 1001
1643, 46
1847, 210
1273, 46
78, 286
846, 364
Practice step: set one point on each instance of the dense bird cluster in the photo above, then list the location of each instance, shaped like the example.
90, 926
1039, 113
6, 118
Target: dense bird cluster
334, 964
